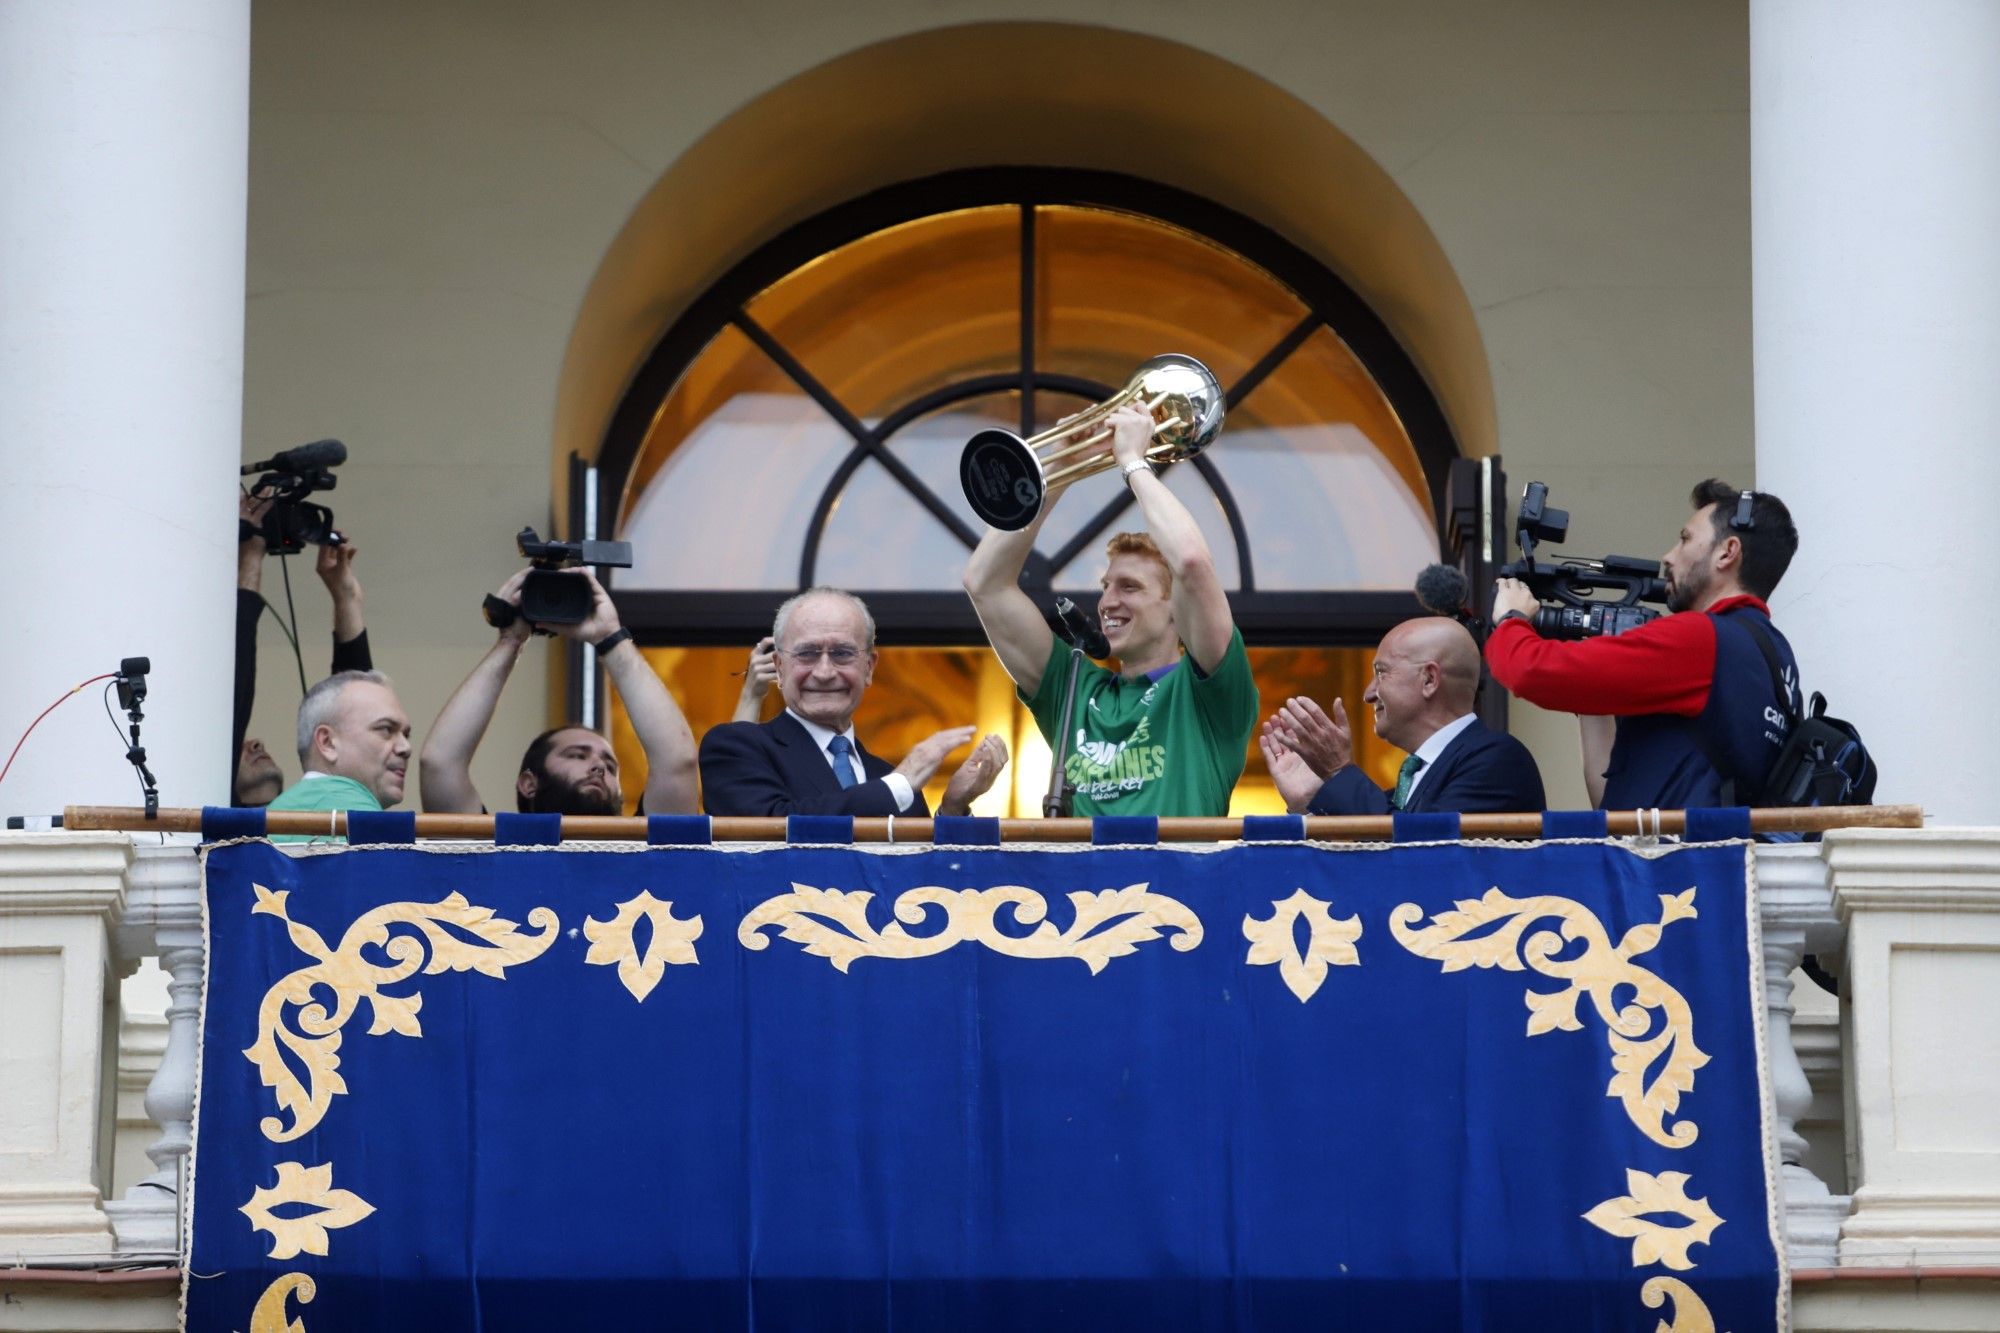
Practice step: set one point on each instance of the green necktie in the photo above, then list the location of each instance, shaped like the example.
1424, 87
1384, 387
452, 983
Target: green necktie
1405, 776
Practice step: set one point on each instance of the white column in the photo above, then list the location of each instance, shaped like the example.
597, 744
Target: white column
1875, 204
124, 133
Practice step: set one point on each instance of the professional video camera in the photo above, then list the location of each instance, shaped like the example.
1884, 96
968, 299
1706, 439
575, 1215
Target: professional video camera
1568, 582
549, 597
292, 523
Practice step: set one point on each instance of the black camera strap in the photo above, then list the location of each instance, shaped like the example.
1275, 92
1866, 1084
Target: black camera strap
1733, 786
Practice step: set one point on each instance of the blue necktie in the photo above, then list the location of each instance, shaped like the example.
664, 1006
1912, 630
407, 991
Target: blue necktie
843, 766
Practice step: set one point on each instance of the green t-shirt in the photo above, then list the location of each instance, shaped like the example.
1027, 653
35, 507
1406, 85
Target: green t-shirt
1174, 746
326, 791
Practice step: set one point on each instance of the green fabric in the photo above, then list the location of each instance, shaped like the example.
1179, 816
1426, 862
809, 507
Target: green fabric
326, 792
1169, 747
1406, 777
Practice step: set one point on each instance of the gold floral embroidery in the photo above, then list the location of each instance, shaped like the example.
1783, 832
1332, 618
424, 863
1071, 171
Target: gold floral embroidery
437, 932
1601, 970
1690, 1314
612, 942
310, 1187
1649, 1197
833, 924
269, 1316
1330, 942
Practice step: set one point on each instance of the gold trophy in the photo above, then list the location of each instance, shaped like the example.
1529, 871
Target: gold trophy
1007, 479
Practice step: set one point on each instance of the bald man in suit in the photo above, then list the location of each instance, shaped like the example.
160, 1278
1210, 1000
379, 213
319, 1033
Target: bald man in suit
1426, 675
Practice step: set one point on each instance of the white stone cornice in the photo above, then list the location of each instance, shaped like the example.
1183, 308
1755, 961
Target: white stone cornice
1928, 869
63, 873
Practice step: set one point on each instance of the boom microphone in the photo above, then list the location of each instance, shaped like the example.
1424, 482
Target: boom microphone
314, 457
1079, 631
1442, 590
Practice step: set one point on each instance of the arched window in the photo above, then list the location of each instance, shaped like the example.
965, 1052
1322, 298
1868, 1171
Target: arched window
802, 424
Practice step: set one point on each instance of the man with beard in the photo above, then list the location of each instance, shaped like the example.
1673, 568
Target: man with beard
569, 770
1698, 717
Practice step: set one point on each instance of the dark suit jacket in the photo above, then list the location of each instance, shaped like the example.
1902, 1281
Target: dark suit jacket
1482, 771
773, 768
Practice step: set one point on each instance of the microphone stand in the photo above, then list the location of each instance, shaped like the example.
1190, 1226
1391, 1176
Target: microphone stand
1056, 805
132, 694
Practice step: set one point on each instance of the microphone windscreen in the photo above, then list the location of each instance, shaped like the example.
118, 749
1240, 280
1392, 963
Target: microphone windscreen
311, 457
1442, 590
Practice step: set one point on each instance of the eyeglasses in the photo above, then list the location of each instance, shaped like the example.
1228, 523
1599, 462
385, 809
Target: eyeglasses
840, 654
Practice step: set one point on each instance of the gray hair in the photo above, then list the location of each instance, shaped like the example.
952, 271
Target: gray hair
321, 702
785, 612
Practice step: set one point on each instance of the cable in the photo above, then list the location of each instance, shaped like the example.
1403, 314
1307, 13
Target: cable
279, 621
285, 566
109, 675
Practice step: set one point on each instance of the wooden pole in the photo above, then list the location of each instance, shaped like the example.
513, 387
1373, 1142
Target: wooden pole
1331, 828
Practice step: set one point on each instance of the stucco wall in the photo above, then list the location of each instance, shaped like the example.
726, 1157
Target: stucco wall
433, 186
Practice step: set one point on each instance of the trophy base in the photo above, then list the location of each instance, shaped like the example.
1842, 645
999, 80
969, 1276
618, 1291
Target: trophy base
1002, 479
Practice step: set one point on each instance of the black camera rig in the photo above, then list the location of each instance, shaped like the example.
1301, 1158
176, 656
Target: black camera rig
1564, 586
548, 595
293, 523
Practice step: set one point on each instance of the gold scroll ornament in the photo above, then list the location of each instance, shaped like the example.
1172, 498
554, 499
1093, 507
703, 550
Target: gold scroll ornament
1330, 942
671, 941
269, 1315
833, 924
1690, 1314
1599, 971
450, 935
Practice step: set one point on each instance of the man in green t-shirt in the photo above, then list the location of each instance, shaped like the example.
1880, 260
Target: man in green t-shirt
1164, 735
354, 744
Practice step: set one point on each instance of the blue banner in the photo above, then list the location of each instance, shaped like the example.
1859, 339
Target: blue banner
1494, 1087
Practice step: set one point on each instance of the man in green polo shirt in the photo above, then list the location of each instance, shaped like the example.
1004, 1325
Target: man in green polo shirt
354, 744
1165, 734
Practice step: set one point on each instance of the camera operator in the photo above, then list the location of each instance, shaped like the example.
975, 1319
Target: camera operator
571, 769
1697, 720
257, 778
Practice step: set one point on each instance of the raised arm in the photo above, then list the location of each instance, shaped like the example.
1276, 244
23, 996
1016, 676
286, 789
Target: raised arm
758, 678
1013, 623
656, 719
335, 566
444, 767
1201, 609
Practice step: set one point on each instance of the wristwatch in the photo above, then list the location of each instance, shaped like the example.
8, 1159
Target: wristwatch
612, 640
1136, 465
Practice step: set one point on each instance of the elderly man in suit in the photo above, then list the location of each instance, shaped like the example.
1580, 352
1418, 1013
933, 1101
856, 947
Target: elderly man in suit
807, 760
1426, 674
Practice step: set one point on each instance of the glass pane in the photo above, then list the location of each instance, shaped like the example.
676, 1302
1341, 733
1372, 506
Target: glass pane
879, 535
895, 315
735, 440
1113, 289
1186, 484
1329, 485
919, 690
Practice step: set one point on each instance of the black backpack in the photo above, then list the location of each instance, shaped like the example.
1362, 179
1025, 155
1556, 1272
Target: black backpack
1824, 761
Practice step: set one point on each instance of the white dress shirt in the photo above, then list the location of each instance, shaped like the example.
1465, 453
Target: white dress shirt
1432, 748
899, 786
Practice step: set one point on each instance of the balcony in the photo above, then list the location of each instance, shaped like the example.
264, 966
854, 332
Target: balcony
1884, 1095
